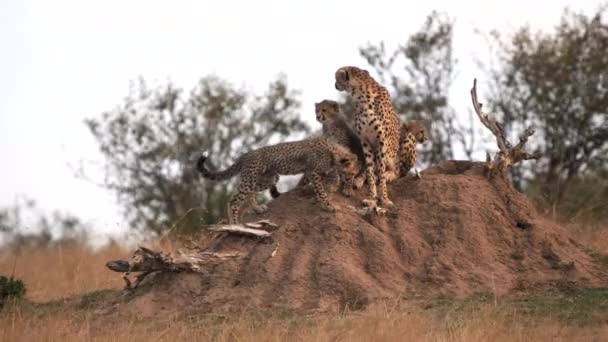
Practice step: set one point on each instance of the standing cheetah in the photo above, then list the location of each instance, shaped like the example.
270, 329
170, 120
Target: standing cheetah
314, 157
411, 134
377, 126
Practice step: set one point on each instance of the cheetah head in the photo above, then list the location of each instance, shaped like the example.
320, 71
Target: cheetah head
349, 77
418, 130
326, 110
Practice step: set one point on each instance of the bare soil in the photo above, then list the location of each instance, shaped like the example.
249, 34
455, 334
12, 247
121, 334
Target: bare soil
452, 233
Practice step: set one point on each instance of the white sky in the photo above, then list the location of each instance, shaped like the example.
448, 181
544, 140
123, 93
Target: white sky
64, 61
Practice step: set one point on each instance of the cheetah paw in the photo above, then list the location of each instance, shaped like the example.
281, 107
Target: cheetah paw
387, 203
328, 208
358, 183
369, 203
260, 209
347, 192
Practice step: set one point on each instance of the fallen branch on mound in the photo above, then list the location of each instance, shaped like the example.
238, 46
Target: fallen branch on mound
255, 229
507, 154
146, 261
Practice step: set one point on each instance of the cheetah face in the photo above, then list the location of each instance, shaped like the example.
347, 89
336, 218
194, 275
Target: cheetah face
421, 135
326, 110
349, 77
417, 129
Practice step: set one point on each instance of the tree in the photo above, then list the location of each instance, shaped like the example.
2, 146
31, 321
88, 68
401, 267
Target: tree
558, 82
149, 142
25, 224
418, 74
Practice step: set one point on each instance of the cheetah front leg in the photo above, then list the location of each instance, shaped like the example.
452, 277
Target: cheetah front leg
370, 176
257, 208
347, 185
333, 180
382, 178
359, 181
322, 196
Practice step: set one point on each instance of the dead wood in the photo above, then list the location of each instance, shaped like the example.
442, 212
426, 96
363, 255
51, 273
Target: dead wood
254, 229
507, 155
146, 261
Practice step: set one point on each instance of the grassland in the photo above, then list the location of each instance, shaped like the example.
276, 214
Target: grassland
68, 284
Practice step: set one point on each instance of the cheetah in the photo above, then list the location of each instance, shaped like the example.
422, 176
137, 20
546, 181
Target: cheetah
315, 157
410, 134
377, 126
337, 128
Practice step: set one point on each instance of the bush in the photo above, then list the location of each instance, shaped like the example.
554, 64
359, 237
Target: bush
10, 288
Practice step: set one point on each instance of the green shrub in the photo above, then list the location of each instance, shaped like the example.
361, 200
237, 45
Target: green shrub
10, 288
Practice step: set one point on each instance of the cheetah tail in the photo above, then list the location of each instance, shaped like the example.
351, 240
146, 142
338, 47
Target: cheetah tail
230, 172
274, 192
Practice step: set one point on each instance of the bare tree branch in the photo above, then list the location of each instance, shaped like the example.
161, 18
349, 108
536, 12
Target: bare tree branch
507, 155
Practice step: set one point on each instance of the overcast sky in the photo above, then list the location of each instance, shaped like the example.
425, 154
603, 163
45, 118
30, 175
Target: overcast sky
64, 61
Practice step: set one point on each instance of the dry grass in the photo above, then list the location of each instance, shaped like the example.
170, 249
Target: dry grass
65, 271
62, 271
593, 235
378, 323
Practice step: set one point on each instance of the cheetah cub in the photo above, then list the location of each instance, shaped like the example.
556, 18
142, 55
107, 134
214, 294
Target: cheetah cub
377, 127
315, 157
336, 127
411, 134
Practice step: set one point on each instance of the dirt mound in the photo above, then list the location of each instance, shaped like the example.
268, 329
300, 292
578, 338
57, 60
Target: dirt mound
453, 233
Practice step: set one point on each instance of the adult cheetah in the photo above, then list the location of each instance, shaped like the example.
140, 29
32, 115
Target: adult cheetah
315, 157
377, 126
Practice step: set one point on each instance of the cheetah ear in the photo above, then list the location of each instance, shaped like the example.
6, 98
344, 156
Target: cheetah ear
346, 76
335, 106
366, 72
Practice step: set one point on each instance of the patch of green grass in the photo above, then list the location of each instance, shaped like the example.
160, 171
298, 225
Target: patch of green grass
569, 305
95, 299
598, 258
577, 306
444, 305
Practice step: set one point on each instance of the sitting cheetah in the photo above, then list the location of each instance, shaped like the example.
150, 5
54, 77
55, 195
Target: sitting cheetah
377, 126
411, 133
314, 157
